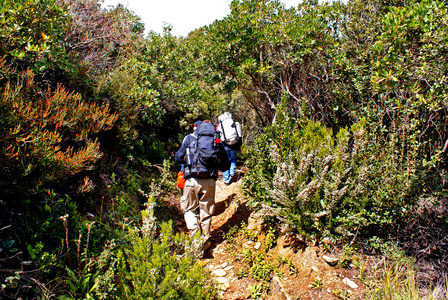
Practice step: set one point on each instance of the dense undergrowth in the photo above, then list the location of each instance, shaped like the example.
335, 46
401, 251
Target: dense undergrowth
332, 185
344, 107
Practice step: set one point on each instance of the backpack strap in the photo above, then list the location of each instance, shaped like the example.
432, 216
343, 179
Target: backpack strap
196, 150
223, 131
236, 129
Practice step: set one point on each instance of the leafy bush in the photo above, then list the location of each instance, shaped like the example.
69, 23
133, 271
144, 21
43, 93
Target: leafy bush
58, 221
31, 33
154, 264
409, 78
47, 135
324, 184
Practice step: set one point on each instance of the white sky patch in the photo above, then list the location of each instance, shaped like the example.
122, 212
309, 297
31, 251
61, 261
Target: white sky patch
183, 15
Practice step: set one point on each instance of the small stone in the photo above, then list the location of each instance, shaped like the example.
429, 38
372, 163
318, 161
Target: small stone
228, 268
219, 273
257, 246
208, 265
315, 268
216, 252
350, 283
222, 280
223, 265
225, 286
248, 244
330, 260
326, 240
223, 283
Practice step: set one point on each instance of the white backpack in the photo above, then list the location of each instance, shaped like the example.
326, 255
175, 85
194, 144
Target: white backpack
229, 129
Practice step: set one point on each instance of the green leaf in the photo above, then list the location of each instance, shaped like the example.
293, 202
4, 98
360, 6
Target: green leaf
31, 251
10, 278
8, 243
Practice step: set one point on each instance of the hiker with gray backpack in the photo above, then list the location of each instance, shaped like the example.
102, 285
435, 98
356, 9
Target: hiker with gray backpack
203, 155
231, 138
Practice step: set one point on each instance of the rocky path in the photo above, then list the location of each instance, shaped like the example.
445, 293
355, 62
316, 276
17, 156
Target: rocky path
311, 272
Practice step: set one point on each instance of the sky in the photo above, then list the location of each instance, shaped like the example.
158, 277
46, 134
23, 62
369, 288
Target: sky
183, 15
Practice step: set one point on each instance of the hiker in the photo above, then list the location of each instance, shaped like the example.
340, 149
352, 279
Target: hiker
231, 138
202, 155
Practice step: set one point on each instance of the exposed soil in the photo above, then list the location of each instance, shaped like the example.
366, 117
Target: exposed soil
308, 263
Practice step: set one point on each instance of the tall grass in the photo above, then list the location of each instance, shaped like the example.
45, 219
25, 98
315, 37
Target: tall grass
397, 279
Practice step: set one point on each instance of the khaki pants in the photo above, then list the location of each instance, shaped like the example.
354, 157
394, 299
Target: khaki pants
198, 204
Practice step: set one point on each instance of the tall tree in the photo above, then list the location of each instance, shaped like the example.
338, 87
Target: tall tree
265, 50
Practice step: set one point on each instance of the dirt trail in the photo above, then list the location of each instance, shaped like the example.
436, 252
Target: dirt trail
311, 273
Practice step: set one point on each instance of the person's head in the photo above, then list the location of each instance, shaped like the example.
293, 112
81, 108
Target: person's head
207, 121
196, 125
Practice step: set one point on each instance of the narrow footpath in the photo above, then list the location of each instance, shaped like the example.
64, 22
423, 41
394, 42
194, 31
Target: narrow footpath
299, 271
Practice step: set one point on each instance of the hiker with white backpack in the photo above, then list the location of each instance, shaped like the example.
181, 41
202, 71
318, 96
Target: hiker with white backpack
231, 138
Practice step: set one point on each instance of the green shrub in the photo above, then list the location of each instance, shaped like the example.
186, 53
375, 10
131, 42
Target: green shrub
31, 34
324, 184
48, 135
154, 263
260, 269
50, 225
258, 290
